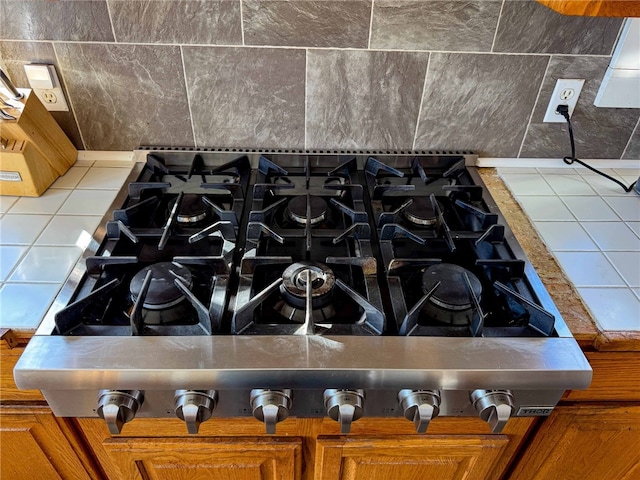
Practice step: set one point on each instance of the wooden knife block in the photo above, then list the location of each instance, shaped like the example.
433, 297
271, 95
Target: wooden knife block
24, 172
42, 144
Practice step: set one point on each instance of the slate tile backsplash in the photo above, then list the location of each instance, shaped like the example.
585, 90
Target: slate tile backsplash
67, 20
466, 104
125, 95
246, 96
338, 74
633, 147
436, 25
177, 21
311, 23
363, 100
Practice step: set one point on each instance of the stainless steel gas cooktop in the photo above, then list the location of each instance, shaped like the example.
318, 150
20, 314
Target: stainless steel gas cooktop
308, 284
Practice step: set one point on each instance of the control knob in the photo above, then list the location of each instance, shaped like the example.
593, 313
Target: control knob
270, 406
118, 407
420, 406
195, 407
344, 406
493, 406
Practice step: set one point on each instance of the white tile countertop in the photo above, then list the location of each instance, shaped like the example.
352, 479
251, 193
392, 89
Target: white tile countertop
592, 227
42, 238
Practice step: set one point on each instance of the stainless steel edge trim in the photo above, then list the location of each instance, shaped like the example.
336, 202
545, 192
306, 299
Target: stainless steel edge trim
301, 362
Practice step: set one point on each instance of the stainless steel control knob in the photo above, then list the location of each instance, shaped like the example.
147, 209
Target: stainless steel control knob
344, 406
493, 406
195, 407
118, 407
271, 406
420, 406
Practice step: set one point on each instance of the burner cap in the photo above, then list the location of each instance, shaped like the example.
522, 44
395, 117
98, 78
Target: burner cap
297, 209
294, 283
452, 294
162, 292
420, 212
192, 209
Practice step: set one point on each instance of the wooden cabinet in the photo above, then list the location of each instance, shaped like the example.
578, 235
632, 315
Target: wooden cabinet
585, 442
210, 458
408, 458
306, 448
595, 8
36, 445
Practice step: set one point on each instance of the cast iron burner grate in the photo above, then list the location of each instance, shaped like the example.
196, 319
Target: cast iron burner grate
462, 242
125, 299
276, 297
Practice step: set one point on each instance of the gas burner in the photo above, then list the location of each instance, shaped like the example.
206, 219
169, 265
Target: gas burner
163, 292
297, 209
421, 212
295, 279
451, 302
192, 209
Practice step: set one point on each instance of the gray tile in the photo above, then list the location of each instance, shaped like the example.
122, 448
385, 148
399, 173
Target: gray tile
527, 26
180, 21
633, 149
479, 102
246, 97
16, 55
71, 20
308, 23
363, 99
435, 25
127, 95
598, 132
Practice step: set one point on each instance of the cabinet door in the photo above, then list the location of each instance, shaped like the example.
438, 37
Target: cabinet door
34, 446
408, 458
210, 458
585, 442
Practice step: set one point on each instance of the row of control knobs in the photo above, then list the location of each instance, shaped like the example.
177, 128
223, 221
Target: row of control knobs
118, 407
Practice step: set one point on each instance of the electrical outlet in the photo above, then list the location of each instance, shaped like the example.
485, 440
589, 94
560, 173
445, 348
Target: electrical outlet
52, 99
45, 84
566, 92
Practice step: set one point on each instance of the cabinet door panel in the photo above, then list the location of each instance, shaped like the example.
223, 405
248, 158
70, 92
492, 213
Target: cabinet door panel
206, 458
584, 442
34, 446
408, 458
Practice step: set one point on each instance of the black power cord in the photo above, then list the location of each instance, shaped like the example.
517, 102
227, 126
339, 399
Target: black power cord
564, 111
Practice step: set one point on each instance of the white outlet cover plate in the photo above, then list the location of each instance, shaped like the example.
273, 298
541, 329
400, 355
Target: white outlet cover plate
556, 99
60, 104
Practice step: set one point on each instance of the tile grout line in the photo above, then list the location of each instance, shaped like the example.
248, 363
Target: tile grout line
495, 34
73, 110
635, 129
615, 43
424, 86
370, 26
533, 109
113, 30
186, 89
241, 24
297, 47
604, 199
626, 282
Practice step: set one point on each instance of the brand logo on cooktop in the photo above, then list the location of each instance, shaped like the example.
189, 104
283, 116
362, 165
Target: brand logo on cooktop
530, 411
